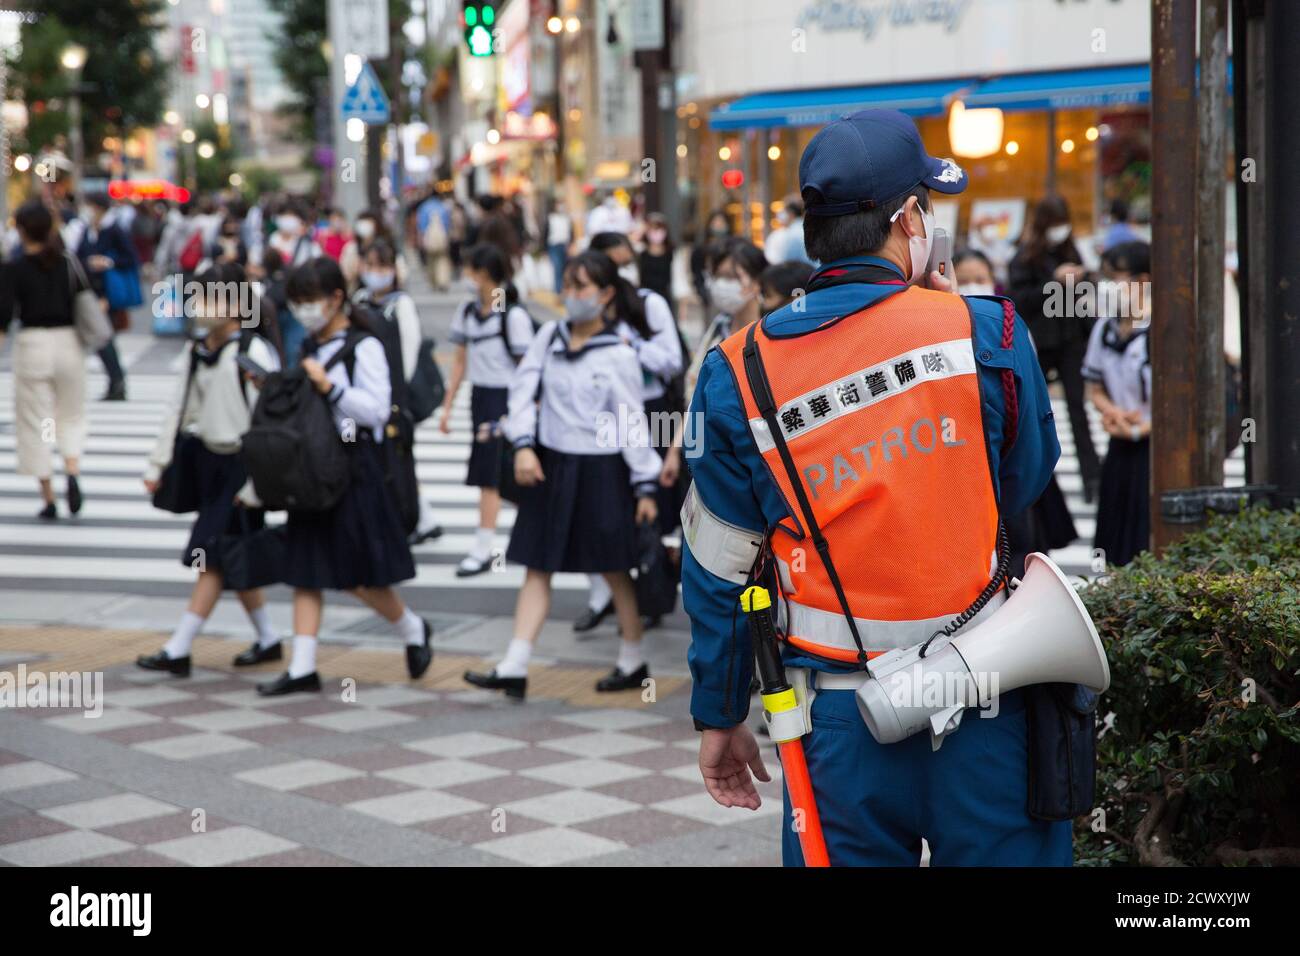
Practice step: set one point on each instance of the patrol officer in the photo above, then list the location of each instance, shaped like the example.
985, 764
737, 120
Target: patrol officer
860, 446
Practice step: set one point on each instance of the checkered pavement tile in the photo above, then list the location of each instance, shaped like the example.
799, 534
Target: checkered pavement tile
171, 826
108, 811
298, 773
700, 806
614, 719
480, 826
61, 849
640, 827
230, 719
113, 718
568, 807
191, 746
353, 790
550, 846
415, 806
469, 744
152, 696
384, 757
440, 773
222, 847
585, 773
31, 773
28, 826
358, 719
599, 744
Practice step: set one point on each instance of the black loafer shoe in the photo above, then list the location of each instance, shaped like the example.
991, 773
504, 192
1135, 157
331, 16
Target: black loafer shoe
420, 656
419, 537
48, 513
116, 392
617, 680
515, 687
591, 619
284, 684
466, 569
257, 654
180, 666
74, 495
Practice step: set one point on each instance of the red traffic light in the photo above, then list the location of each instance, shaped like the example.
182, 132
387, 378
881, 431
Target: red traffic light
731, 178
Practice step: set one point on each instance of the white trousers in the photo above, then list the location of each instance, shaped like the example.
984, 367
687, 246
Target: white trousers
49, 398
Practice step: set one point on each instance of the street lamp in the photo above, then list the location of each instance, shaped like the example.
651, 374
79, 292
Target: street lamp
207, 150
73, 59
202, 101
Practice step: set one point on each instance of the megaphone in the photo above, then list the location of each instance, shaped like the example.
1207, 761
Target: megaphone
1042, 634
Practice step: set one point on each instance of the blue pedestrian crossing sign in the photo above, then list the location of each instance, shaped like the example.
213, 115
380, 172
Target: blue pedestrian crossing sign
365, 98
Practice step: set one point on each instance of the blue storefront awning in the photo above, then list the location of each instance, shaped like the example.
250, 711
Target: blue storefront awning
1056, 89
819, 107
1065, 89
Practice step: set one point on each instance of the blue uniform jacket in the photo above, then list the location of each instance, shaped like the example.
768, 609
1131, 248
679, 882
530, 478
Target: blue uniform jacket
733, 483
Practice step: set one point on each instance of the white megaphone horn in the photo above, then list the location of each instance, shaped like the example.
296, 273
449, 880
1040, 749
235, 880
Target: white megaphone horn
1041, 635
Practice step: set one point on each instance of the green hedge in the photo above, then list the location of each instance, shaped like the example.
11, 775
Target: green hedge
1199, 755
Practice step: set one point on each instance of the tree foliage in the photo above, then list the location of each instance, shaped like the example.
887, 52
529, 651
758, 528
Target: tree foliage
123, 83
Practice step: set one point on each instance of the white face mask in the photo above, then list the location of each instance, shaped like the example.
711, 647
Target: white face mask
918, 247
729, 295
1058, 234
978, 288
630, 273
581, 309
377, 281
288, 223
311, 315
365, 229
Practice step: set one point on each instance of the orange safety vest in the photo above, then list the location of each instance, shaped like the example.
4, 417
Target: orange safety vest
881, 413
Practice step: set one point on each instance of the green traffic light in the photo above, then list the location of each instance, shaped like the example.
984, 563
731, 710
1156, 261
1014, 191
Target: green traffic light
488, 15
480, 41
471, 16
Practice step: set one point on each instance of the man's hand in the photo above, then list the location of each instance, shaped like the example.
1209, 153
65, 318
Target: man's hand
939, 283
726, 759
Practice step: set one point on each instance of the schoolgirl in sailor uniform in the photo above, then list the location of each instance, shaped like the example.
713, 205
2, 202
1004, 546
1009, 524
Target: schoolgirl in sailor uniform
586, 487
491, 332
217, 399
381, 289
1117, 373
359, 545
658, 346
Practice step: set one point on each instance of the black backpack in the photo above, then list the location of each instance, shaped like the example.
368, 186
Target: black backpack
292, 450
426, 389
398, 449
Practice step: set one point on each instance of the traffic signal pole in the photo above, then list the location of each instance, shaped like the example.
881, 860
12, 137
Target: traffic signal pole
348, 171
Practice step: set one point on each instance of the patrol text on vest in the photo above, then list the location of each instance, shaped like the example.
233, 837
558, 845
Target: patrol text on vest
922, 435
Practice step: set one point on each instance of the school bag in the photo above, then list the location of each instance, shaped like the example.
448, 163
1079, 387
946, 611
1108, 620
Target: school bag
292, 451
192, 252
397, 452
426, 389
504, 333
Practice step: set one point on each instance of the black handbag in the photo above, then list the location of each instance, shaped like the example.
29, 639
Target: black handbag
253, 558
1061, 725
178, 491
656, 586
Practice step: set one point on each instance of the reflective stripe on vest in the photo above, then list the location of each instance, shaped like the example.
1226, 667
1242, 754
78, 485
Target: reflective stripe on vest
882, 414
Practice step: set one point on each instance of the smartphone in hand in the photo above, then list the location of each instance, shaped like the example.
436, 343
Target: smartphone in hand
941, 257
251, 368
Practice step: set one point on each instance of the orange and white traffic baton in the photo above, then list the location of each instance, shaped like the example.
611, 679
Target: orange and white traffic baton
779, 700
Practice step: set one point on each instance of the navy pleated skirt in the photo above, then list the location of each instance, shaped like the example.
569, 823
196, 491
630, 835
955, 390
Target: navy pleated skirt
219, 479
1124, 501
358, 543
486, 405
581, 518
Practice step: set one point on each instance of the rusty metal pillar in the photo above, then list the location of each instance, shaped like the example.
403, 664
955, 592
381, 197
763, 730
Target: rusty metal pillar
1176, 453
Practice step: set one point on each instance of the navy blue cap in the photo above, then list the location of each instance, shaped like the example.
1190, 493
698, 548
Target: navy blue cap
868, 158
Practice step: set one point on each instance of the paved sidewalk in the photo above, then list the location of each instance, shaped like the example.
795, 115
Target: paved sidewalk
375, 770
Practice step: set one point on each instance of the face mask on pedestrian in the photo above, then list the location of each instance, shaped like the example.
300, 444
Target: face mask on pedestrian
729, 294
1058, 234
376, 281
631, 273
657, 236
365, 229
581, 308
977, 288
288, 223
918, 247
312, 315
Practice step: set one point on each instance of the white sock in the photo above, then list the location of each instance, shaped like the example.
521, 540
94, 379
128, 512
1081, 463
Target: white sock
427, 520
304, 655
482, 549
629, 656
179, 643
266, 636
599, 596
515, 663
410, 628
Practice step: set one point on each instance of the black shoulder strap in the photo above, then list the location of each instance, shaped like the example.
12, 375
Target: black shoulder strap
245, 340
759, 386
347, 354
